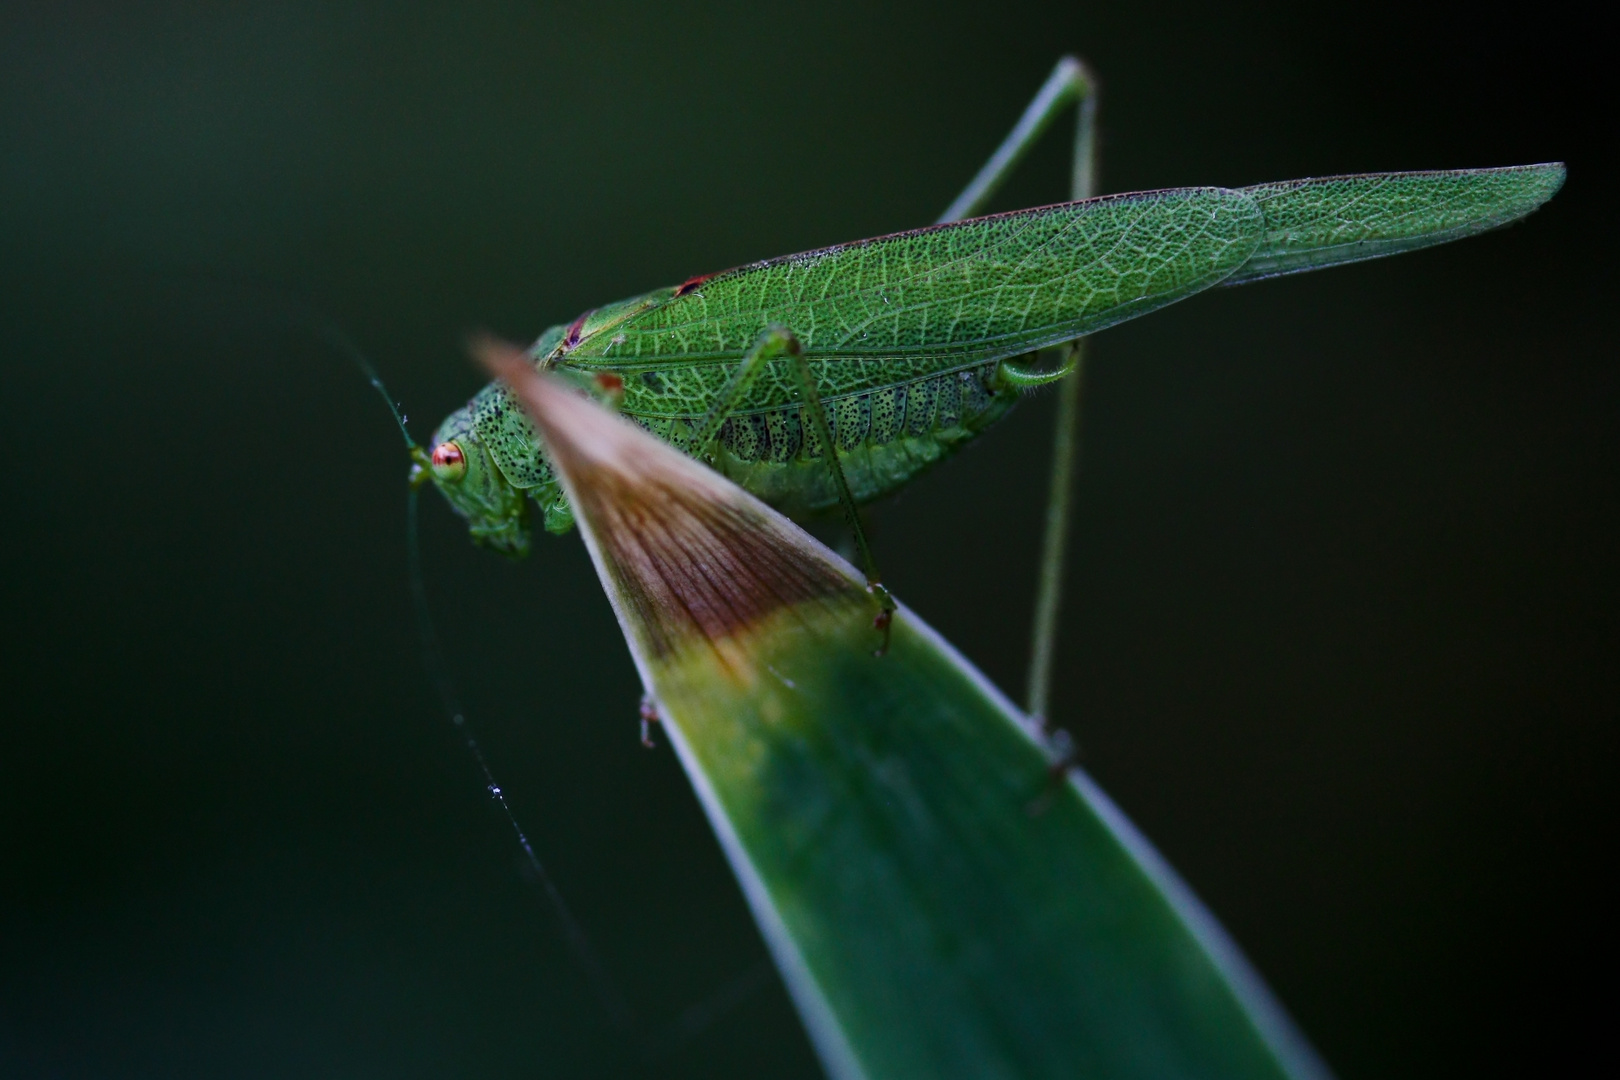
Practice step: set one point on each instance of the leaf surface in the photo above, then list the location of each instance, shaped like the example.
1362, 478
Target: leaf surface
937, 902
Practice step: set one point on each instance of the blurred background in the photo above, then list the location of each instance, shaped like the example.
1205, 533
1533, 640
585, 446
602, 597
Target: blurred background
1341, 631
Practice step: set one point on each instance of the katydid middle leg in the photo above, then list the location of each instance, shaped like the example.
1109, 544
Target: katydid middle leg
1069, 83
775, 343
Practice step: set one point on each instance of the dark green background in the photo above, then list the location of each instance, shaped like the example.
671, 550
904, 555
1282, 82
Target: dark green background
1342, 636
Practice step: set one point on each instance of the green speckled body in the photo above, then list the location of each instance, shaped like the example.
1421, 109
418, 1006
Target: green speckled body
907, 335
885, 436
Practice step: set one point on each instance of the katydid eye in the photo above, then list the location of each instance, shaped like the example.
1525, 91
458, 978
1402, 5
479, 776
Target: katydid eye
449, 463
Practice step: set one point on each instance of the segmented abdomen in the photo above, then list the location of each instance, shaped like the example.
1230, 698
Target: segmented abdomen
884, 438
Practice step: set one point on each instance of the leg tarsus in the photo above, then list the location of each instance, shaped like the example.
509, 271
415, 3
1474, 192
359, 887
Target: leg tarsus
884, 619
649, 717
1065, 756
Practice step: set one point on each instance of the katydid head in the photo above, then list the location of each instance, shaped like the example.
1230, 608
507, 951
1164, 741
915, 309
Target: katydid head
461, 467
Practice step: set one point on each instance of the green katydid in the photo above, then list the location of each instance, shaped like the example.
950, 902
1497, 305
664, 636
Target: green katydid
897, 350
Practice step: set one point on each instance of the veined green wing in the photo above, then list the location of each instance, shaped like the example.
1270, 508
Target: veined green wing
1311, 224
974, 290
884, 311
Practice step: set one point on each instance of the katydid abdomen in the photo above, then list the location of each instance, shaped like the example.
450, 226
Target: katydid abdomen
885, 437
913, 342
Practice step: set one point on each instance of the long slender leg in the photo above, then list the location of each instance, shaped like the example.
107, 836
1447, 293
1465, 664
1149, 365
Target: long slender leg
818, 416
769, 346
1070, 82
774, 343
1065, 450
1054, 541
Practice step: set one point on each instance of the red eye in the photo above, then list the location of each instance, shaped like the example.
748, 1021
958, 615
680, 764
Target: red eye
449, 463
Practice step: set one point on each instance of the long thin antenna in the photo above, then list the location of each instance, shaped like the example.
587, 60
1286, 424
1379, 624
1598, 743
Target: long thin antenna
341, 342
694, 1020
607, 993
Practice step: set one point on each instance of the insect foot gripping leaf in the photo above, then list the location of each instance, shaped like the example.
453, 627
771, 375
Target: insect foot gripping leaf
876, 811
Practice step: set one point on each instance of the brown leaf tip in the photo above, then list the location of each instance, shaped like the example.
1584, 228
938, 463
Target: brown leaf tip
691, 566
689, 555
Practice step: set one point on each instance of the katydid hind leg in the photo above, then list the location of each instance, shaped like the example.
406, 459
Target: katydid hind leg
1070, 83
1065, 453
1055, 536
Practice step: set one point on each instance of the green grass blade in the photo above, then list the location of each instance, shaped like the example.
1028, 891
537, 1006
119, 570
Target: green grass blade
938, 905
1311, 224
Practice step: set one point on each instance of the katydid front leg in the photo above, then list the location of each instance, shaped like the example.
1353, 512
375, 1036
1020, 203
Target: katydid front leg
1069, 84
775, 343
